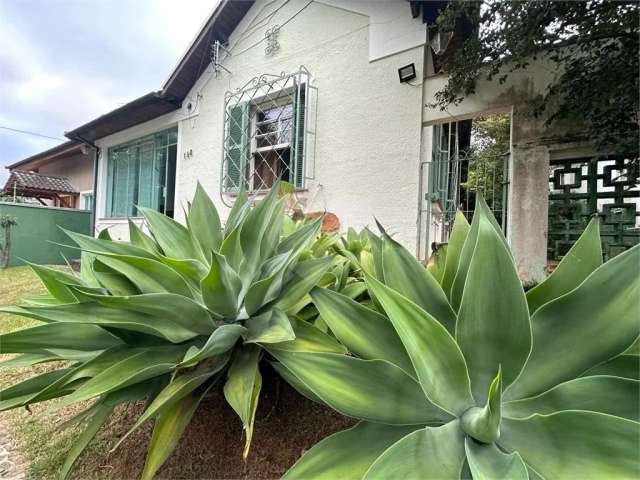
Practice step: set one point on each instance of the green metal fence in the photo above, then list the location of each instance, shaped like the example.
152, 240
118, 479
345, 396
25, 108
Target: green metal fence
37, 234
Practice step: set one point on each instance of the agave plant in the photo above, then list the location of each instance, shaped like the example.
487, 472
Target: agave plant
466, 376
167, 316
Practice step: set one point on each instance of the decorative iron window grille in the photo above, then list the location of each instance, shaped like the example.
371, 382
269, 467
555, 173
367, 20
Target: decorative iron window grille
266, 126
580, 188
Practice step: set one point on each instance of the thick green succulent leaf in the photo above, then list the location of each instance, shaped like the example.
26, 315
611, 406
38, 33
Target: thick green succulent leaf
457, 238
272, 326
273, 232
204, 223
348, 454
134, 369
301, 239
634, 349
169, 427
104, 246
150, 276
374, 260
239, 211
437, 263
366, 333
436, 358
177, 389
192, 271
310, 339
87, 274
267, 288
603, 394
173, 238
165, 323
482, 211
292, 380
599, 318
406, 275
221, 287
493, 327
305, 275
488, 462
81, 337
221, 340
111, 280
252, 233
354, 290
353, 387
242, 389
583, 258
625, 366
22, 392
431, 453
231, 249
57, 282
483, 423
185, 312
94, 423
575, 444
141, 240
29, 359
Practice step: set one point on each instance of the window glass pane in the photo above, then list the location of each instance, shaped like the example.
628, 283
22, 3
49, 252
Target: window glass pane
137, 174
145, 176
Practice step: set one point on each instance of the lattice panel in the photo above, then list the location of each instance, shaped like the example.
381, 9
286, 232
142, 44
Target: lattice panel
580, 188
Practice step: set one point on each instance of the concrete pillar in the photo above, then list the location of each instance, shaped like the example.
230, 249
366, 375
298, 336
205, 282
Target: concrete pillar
528, 207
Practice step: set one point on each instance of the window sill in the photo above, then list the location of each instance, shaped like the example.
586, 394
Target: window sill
261, 193
118, 219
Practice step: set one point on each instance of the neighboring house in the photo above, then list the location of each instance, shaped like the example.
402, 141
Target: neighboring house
59, 177
322, 94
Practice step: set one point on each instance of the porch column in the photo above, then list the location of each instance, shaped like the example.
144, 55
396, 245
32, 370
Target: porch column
528, 211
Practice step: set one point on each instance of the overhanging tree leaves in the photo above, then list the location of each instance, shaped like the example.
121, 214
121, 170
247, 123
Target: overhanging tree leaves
592, 46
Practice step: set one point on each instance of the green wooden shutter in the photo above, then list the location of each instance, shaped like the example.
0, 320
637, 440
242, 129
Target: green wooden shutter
236, 153
299, 101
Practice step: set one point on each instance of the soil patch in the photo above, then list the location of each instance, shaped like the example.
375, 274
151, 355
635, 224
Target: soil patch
287, 424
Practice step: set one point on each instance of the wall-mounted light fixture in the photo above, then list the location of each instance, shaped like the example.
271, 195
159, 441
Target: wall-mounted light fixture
406, 73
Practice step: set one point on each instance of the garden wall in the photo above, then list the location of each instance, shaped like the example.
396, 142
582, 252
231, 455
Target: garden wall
36, 236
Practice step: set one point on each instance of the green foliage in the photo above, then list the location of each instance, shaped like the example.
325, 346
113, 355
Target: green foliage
168, 316
587, 44
502, 384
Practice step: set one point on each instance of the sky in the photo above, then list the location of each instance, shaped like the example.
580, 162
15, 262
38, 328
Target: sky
65, 62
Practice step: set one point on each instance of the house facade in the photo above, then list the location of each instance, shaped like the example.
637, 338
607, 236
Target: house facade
59, 177
333, 96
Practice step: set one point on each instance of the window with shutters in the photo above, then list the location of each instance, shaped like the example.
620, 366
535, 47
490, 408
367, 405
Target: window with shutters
265, 133
142, 173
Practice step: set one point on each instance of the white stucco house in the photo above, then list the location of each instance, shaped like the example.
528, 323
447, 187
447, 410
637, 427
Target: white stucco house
322, 94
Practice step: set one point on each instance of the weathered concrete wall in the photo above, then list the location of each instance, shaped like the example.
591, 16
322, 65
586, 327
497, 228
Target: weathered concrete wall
531, 146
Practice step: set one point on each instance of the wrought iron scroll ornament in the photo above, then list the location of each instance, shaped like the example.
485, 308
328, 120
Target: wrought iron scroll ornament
271, 37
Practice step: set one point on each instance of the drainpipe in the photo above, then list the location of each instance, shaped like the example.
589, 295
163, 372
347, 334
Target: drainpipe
96, 156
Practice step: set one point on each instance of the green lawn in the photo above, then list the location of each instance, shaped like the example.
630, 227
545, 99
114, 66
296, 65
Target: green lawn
43, 447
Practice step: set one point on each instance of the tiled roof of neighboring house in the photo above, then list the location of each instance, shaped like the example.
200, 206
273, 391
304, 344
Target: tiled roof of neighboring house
35, 182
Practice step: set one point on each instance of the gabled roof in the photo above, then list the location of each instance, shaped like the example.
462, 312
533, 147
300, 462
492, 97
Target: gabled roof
219, 26
31, 182
66, 148
222, 21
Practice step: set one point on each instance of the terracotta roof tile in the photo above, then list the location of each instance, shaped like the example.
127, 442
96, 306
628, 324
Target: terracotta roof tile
36, 181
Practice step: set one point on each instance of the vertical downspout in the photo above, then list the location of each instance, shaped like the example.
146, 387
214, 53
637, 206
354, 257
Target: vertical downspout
422, 145
94, 204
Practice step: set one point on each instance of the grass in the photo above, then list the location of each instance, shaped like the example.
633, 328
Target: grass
42, 447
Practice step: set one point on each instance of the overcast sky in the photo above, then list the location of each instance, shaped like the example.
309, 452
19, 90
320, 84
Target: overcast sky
65, 62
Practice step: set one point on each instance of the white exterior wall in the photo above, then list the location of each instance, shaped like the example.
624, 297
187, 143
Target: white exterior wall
368, 124
367, 145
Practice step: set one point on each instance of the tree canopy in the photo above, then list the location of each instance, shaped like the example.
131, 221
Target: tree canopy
594, 45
